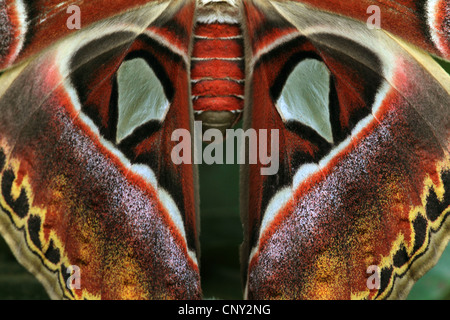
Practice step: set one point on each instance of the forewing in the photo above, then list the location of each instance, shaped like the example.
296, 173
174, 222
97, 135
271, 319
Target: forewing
359, 206
88, 187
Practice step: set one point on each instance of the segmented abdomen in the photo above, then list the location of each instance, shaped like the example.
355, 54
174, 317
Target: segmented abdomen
218, 68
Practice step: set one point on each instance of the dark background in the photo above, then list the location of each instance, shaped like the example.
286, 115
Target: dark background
221, 236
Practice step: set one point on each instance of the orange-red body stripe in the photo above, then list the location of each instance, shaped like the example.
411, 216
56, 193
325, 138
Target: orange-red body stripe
217, 67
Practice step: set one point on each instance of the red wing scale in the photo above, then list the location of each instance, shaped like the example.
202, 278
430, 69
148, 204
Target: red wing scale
86, 174
359, 207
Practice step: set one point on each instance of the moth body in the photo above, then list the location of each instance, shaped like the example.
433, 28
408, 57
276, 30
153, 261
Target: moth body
217, 65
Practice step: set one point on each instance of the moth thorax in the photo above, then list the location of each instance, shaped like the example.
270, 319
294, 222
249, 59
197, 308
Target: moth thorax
218, 65
222, 11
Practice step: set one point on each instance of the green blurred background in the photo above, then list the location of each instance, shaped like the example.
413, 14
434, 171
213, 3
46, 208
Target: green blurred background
221, 236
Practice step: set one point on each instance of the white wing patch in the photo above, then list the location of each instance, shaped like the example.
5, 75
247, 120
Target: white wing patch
22, 18
305, 97
141, 97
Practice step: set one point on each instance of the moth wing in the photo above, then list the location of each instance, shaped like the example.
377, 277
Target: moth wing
88, 185
359, 205
424, 24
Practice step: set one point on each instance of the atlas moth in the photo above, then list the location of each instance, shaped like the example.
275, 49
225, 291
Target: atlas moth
87, 114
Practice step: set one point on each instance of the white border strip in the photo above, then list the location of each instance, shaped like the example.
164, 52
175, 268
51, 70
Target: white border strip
21, 12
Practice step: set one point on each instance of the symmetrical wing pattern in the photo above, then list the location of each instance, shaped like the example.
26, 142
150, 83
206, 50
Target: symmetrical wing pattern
87, 118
